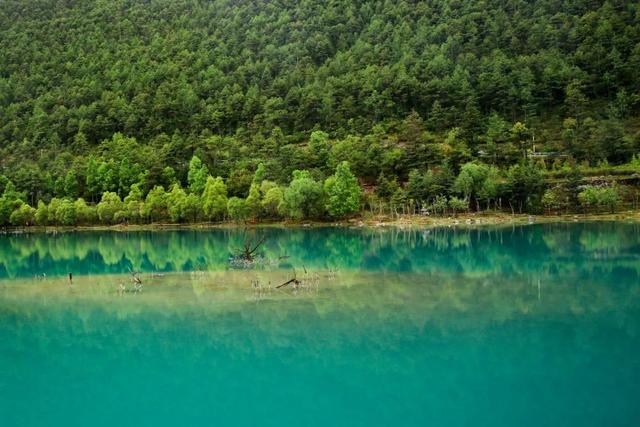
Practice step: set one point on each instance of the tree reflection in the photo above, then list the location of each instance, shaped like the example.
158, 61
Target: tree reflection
560, 249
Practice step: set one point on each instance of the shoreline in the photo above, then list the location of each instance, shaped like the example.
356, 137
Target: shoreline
367, 221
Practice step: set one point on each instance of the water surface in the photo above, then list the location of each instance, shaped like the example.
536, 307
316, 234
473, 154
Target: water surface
533, 325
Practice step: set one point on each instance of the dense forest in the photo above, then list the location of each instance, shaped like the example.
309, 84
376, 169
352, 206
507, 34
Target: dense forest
140, 111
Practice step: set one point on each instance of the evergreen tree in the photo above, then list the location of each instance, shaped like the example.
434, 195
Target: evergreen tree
343, 192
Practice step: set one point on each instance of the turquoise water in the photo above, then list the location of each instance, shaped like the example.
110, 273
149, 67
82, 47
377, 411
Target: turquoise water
518, 326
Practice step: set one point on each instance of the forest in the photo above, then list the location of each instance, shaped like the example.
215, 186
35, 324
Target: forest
132, 111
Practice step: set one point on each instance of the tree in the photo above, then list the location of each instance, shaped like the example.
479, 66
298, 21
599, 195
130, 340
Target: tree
238, 209
85, 214
133, 204
303, 197
385, 187
272, 201
600, 197
253, 201
24, 215
197, 176
71, 187
66, 213
52, 210
551, 200
93, 185
476, 181
169, 176
191, 208
155, 205
575, 101
458, 205
8, 203
524, 187
259, 175
214, 199
520, 136
42, 213
343, 192
11, 199
176, 201
109, 206
574, 180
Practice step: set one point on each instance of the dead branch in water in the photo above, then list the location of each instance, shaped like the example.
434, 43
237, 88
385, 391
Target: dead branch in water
249, 248
293, 280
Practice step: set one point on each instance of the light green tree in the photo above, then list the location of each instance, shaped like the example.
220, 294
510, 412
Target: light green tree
238, 209
253, 201
343, 192
197, 175
85, 214
66, 213
155, 204
133, 204
52, 210
192, 208
303, 196
22, 216
458, 205
176, 200
71, 184
272, 200
109, 205
214, 199
42, 213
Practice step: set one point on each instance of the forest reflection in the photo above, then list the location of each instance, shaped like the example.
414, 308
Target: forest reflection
576, 249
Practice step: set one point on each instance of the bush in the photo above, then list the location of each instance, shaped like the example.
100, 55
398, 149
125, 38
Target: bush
458, 205
593, 197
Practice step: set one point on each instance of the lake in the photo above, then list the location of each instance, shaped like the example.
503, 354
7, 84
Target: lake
534, 325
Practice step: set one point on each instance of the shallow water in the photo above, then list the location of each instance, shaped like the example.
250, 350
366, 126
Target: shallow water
514, 326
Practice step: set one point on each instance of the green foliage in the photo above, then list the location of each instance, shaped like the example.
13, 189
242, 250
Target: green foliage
109, 206
343, 192
214, 199
71, 186
191, 208
42, 213
424, 100
385, 187
477, 181
259, 175
524, 187
65, 213
238, 209
176, 200
155, 205
551, 200
23, 215
133, 204
198, 174
85, 214
10, 201
599, 197
182, 207
439, 205
253, 201
458, 205
272, 202
303, 197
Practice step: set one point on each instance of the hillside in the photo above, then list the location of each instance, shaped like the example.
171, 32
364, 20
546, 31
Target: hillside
390, 86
